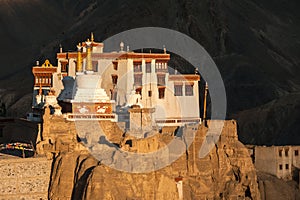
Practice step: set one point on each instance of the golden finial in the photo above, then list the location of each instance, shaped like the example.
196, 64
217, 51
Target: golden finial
47, 63
89, 66
92, 36
79, 58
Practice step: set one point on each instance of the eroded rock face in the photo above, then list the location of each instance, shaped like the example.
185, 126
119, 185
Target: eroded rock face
226, 172
272, 187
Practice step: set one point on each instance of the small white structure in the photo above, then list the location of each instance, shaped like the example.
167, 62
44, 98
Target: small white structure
179, 185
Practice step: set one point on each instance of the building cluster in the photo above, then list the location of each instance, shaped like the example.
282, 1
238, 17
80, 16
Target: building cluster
280, 161
121, 86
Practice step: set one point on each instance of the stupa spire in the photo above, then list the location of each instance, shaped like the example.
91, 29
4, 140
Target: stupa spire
89, 66
92, 36
79, 58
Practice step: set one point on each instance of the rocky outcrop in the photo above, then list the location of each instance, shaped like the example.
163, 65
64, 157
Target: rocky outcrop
254, 43
226, 172
272, 187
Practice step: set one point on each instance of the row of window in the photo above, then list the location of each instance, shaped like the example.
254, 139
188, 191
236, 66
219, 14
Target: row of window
281, 166
43, 80
286, 152
178, 89
188, 90
161, 92
159, 67
161, 80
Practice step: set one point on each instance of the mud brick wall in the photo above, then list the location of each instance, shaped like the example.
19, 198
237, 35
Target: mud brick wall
24, 178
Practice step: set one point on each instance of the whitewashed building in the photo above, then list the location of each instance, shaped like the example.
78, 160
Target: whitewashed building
131, 81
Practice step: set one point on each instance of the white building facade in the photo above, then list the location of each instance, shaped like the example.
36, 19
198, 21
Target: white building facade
129, 79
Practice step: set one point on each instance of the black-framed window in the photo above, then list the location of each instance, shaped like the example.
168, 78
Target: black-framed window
114, 79
138, 79
286, 152
161, 93
137, 66
178, 90
115, 65
280, 153
148, 67
161, 80
189, 90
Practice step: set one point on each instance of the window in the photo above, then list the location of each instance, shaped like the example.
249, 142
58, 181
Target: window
296, 152
137, 66
178, 90
161, 93
64, 66
161, 66
115, 65
286, 152
148, 67
189, 90
114, 79
138, 79
280, 153
149, 93
161, 81
138, 91
286, 166
280, 167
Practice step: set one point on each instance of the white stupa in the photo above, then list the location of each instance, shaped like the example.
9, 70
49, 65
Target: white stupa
88, 89
89, 100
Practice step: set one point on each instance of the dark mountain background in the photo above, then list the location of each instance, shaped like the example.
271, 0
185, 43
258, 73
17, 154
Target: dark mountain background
255, 44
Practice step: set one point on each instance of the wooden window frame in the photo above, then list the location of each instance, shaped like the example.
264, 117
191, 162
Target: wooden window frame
148, 67
161, 92
178, 90
189, 89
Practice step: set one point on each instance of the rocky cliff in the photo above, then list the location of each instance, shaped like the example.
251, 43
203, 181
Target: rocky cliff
255, 43
226, 172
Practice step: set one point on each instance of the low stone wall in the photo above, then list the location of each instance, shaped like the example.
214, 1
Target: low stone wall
24, 178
